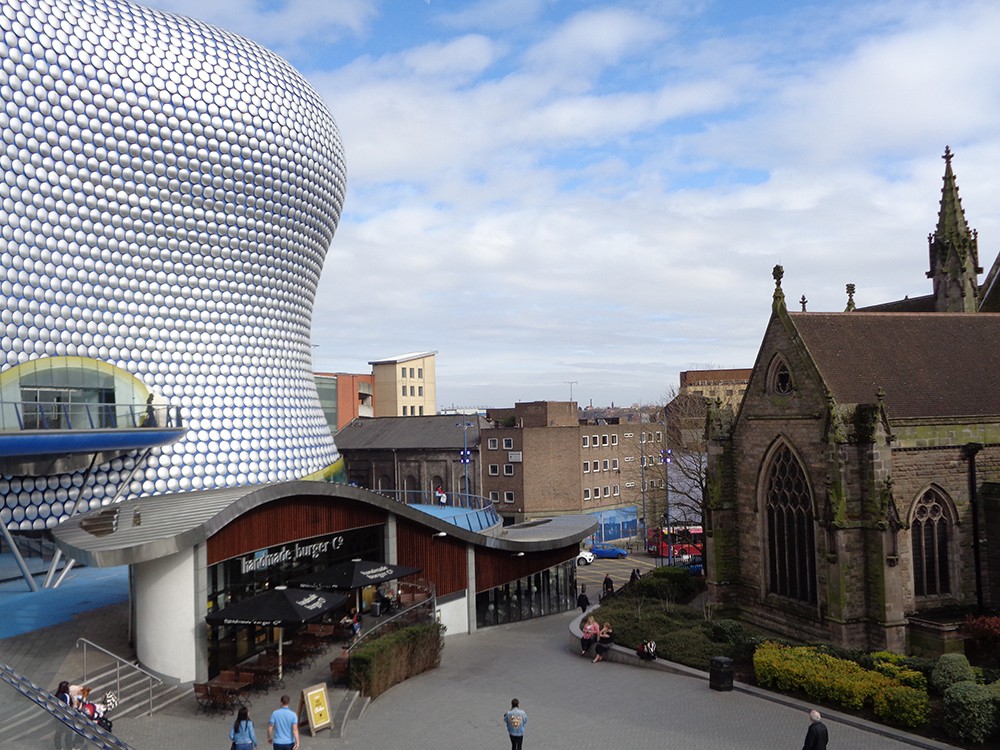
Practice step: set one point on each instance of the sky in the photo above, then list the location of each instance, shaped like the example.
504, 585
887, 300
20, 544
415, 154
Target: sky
565, 198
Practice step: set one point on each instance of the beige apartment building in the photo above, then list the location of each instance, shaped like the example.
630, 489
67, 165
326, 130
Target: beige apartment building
541, 459
405, 385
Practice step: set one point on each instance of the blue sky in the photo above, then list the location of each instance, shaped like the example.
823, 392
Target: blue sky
547, 191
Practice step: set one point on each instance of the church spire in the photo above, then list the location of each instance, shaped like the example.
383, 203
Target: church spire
954, 251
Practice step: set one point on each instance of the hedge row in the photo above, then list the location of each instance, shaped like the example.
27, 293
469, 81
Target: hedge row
390, 659
829, 679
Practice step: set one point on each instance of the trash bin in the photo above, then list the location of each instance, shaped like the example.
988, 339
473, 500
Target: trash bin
376, 609
720, 673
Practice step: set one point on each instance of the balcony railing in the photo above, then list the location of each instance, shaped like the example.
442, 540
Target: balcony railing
479, 513
69, 415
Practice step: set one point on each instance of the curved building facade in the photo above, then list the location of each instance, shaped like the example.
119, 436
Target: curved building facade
168, 193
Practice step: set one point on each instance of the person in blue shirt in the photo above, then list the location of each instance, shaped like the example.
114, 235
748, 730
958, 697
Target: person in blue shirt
515, 719
242, 733
283, 727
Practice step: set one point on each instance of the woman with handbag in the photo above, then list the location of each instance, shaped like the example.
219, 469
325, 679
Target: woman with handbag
242, 733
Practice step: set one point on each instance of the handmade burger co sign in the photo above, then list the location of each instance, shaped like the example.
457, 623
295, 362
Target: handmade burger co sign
264, 559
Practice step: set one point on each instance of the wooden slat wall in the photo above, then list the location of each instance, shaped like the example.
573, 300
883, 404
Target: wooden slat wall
442, 558
287, 520
495, 568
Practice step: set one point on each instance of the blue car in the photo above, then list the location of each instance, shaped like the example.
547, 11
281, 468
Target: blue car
609, 551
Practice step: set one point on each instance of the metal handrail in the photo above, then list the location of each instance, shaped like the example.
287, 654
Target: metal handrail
429, 603
119, 663
40, 415
476, 504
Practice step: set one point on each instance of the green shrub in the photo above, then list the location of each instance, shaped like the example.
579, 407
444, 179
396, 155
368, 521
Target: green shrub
894, 665
665, 584
949, 670
378, 665
969, 712
826, 678
902, 706
690, 647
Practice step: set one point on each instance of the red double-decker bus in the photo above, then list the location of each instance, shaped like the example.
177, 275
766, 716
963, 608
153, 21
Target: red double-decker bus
687, 541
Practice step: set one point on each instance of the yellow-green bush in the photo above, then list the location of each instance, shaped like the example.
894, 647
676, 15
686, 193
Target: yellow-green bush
829, 679
902, 705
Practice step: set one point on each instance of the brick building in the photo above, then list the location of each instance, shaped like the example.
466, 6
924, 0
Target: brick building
540, 459
851, 497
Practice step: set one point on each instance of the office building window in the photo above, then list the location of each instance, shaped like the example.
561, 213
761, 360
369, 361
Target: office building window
607, 490
614, 440
508, 470
614, 464
586, 493
402, 372
492, 444
411, 372
615, 490
586, 441
421, 410
508, 443
595, 465
508, 497
420, 390
404, 391
494, 497
606, 465
420, 372
604, 439
413, 391
494, 470
586, 467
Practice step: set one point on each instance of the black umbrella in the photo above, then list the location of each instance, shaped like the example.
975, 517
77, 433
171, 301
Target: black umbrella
277, 607
354, 574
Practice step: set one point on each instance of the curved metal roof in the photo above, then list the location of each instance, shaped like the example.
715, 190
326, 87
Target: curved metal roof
148, 528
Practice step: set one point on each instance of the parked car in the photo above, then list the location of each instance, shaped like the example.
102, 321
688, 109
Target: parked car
586, 557
609, 550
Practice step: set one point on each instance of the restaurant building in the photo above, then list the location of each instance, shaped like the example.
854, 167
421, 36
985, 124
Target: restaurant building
195, 553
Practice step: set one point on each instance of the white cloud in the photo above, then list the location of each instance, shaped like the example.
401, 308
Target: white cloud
597, 192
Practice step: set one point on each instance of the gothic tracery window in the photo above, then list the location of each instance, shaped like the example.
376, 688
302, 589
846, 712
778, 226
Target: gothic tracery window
779, 378
790, 532
930, 534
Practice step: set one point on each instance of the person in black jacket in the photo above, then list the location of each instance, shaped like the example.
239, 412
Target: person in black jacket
816, 735
583, 601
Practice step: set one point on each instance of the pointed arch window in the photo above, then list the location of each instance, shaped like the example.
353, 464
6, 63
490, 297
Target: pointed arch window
779, 377
930, 532
790, 528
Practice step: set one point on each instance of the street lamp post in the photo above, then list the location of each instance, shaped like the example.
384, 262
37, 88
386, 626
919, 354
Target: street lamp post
465, 455
667, 456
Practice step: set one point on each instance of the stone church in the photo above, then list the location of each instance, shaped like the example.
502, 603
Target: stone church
853, 495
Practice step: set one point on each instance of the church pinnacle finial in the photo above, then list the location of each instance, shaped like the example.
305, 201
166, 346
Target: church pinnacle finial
850, 298
953, 250
779, 296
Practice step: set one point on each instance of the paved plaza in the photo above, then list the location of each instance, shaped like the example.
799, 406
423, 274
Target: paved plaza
571, 703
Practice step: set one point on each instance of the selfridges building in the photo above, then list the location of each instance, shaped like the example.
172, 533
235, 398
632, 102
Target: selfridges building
168, 192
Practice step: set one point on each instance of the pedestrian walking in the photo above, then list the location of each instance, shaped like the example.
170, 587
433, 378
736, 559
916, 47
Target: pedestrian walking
816, 735
583, 601
609, 585
242, 733
515, 719
283, 727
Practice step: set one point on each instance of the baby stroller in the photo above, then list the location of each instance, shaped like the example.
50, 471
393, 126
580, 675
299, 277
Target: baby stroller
98, 712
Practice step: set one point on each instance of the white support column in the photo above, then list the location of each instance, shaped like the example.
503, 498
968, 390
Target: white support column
470, 591
391, 545
166, 628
